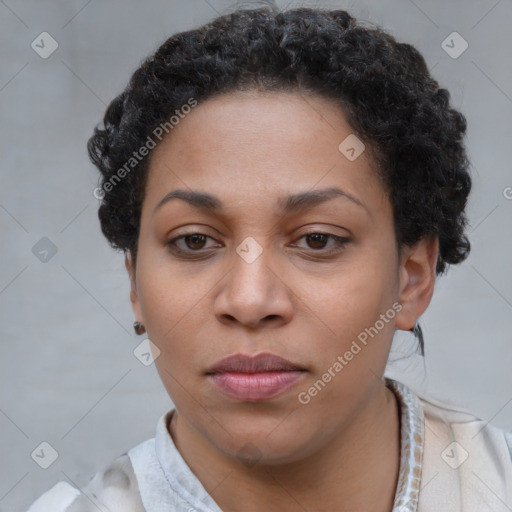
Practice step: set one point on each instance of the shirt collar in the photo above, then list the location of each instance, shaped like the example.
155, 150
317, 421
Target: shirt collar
411, 447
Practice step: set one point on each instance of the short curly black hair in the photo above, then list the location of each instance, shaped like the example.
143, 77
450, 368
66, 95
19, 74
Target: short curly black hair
383, 87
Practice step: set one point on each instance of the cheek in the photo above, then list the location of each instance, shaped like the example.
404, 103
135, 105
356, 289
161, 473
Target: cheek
352, 299
349, 361
176, 306
170, 306
355, 311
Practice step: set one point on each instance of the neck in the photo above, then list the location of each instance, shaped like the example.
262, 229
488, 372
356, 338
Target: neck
357, 470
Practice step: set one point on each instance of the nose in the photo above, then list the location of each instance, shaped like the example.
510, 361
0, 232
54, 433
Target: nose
254, 293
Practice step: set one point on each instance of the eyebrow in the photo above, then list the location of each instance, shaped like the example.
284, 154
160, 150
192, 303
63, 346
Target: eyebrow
287, 204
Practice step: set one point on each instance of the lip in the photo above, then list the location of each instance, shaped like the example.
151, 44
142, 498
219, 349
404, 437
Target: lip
253, 378
264, 362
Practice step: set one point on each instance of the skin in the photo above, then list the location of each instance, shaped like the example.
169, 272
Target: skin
250, 149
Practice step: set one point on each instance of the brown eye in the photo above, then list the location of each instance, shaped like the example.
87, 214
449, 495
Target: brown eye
190, 243
195, 241
317, 242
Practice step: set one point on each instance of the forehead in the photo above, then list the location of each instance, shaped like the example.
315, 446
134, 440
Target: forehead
249, 146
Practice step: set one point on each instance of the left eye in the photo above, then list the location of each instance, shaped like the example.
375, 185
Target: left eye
316, 239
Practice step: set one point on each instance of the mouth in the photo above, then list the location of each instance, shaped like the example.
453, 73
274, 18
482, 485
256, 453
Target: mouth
254, 378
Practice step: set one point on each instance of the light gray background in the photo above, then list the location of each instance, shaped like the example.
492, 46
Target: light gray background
68, 373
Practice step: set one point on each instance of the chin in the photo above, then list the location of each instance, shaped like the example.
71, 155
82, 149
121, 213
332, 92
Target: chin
258, 445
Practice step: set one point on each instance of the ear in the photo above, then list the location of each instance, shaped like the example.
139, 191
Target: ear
134, 298
417, 279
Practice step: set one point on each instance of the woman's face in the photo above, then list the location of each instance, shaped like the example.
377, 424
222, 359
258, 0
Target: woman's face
253, 282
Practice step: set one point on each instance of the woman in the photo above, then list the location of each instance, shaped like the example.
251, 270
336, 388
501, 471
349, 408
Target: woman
286, 187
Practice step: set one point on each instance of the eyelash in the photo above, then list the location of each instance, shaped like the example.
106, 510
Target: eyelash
339, 242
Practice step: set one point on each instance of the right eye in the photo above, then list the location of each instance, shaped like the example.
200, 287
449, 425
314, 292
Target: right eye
190, 243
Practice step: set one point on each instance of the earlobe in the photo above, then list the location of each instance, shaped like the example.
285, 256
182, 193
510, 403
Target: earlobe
416, 281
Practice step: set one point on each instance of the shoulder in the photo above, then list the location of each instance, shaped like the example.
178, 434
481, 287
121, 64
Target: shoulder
113, 488
464, 458
460, 419
458, 423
